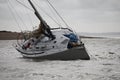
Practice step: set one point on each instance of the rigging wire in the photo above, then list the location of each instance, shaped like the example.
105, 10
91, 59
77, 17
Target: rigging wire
15, 19
24, 5
27, 11
18, 16
14, 16
48, 15
57, 13
55, 16
61, 17
27, 16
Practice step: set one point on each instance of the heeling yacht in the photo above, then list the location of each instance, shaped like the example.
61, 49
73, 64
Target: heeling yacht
52, 43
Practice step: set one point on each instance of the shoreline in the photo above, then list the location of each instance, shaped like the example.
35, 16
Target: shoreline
8, 35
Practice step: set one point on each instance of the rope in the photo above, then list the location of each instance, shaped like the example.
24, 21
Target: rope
48, 14
61, 17
27, 11
24, 5
27, 17
14, 16
57, 13
19, 16
27, 14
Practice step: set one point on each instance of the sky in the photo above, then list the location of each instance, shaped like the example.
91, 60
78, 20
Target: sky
94, 16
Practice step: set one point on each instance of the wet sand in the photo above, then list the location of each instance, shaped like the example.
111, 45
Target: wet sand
104, 63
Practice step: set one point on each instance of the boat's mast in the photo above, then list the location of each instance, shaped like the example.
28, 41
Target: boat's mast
46, 27
37, 13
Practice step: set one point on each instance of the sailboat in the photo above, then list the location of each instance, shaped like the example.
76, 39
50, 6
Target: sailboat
52, 43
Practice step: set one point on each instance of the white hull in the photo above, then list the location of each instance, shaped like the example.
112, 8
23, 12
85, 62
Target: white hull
54, 49
69, 54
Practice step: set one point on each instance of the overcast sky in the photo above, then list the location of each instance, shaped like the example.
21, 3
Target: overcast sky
81, 15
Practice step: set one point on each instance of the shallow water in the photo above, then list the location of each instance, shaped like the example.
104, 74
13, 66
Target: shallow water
104, 63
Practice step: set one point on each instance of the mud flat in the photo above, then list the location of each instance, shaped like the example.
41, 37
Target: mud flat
7, 35
104, 63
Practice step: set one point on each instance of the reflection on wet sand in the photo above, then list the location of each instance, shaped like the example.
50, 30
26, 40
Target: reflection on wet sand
104, 63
